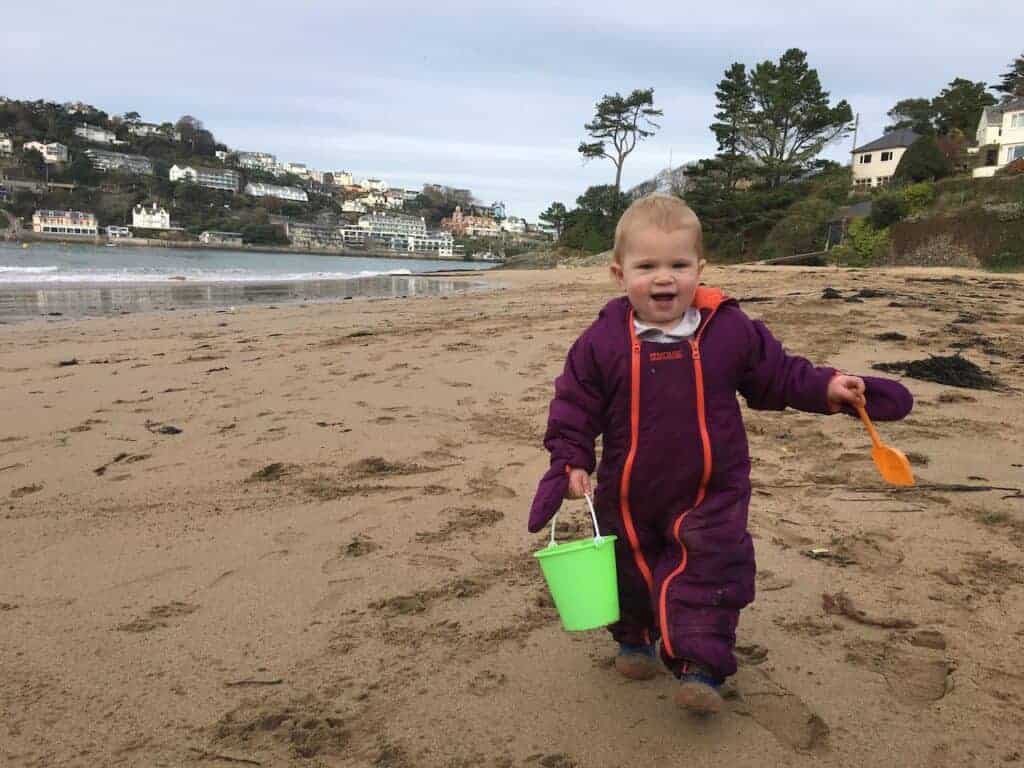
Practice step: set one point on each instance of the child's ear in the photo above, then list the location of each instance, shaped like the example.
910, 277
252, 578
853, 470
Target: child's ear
616, 270
700, 267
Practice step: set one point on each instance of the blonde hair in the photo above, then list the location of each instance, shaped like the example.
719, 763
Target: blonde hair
666, 212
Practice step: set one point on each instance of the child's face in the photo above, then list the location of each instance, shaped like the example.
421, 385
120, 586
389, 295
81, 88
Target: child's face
660, 272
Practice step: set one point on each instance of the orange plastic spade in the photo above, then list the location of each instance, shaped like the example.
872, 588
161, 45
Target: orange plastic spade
892, 463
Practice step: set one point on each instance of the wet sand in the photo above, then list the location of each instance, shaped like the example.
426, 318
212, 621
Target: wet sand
296, 536
24, 301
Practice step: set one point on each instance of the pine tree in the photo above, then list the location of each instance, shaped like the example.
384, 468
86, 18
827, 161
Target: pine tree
1012, 86
734, 106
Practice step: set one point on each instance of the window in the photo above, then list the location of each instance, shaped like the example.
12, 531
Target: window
1014, 152
883, 181
1017, 120
886, 157
865, 158
862, 182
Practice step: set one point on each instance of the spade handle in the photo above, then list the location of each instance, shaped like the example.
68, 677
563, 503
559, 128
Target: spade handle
875, 439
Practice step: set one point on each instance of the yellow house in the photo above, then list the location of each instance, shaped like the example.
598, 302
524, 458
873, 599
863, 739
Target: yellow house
1000, 136
874, 163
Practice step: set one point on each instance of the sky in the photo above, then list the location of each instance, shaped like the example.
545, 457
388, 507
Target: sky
488, 96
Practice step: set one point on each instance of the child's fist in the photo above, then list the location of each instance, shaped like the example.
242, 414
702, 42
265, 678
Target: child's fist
579, 484
845, 390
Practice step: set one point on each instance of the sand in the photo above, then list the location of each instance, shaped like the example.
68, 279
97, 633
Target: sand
296, 536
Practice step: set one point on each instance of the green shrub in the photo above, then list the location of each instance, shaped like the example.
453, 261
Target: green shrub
923, 161
867, 245
801, 230
918, 197
887, 209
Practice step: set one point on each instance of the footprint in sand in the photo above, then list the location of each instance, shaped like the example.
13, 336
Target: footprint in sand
486, 486
779, 711
157, 617
914, 677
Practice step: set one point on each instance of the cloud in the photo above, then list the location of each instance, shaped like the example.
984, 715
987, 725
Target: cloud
488, 96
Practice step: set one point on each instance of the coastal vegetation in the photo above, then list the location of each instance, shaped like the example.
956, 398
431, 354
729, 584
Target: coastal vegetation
767, 193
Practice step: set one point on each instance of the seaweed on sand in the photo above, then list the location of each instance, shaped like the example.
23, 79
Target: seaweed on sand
953, 371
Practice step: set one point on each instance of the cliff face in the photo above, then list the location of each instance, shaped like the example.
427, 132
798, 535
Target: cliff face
989, 236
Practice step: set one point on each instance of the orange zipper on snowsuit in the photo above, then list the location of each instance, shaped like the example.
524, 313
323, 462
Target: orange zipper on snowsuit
634, 435
698, 375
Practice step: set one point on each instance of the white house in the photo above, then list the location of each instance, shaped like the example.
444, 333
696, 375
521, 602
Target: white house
353, 206
342, 178
259, 161
223, 238
513, 225
152, 129
150, 218
212, 178
257, 189
1000, 136
95, 134
375, 185
53, 152
874, 163
6, 145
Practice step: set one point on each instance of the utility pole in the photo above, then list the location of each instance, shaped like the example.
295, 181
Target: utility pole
856, 124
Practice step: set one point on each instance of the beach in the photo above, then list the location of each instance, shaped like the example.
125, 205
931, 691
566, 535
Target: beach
295, 534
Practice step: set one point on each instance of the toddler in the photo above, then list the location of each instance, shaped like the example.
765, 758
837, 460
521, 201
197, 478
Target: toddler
656, 375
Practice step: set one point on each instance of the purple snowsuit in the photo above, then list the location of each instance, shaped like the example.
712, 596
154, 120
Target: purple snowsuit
674, 479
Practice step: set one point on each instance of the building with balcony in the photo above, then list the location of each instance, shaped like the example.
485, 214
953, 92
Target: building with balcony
212, 178
6, 145
383, 226
258, 189
115, 161
64, 223
96, 135
1000, 137
52, 152
258, 161
221, 238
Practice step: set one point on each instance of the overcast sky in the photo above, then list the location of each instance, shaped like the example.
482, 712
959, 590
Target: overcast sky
489, 96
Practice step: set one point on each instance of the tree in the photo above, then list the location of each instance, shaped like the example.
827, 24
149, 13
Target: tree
189, 127
621, 123
734, 107
591, 225
132, 117
555, 216
1012, 85
959, 106
791, 121
916, 114
923, 161
81, 171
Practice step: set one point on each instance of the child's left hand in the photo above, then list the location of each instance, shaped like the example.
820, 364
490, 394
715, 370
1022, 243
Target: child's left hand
845, 390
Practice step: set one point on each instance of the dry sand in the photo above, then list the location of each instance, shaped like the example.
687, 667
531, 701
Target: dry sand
328, 565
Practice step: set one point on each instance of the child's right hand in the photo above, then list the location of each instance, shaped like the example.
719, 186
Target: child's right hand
579, 484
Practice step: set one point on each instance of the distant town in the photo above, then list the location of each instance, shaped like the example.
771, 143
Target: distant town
72, 172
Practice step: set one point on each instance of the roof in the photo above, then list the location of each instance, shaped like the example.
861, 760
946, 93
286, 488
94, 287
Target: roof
992, 116
904, 137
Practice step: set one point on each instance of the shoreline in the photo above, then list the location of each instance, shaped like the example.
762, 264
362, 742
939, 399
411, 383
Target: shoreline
22, 303
143, 242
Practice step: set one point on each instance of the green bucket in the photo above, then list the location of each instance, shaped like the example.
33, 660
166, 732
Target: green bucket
582, 579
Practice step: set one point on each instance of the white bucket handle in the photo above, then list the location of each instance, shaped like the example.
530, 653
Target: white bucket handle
593, 518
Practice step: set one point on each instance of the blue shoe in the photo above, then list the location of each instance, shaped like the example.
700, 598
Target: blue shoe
637, 662
698, 691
